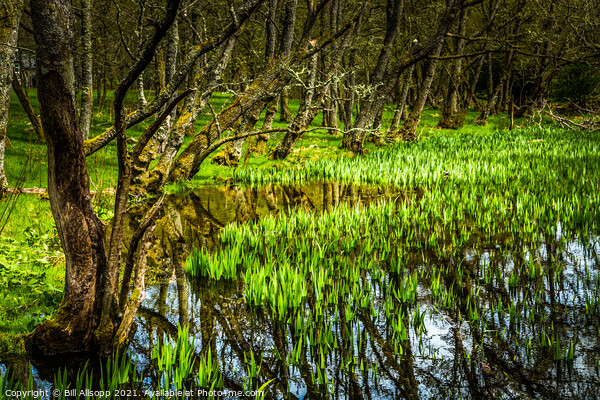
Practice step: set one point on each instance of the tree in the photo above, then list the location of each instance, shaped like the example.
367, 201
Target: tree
10, 14
88, 316
87, 94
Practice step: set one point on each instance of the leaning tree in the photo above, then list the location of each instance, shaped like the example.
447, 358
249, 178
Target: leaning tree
89, 316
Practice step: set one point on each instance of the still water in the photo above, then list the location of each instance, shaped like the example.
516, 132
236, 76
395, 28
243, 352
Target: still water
533, 334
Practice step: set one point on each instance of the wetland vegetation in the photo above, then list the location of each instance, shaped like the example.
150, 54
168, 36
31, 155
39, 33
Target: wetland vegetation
415, 219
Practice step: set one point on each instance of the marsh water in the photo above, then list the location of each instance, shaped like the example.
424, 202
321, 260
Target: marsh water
533, 335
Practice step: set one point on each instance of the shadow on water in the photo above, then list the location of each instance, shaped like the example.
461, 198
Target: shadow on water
496, 319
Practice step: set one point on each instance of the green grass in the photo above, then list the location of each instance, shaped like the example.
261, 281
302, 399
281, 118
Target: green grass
31, 263
30, 228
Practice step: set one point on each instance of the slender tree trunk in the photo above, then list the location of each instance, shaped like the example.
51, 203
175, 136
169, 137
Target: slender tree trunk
284, 148
495, 95
140, 37
262, 90
270, 52
353, 139
10, 14
401, 110
261, 140
452, 115
157, 144
330, 104
184, 124
409, 128
350, 93
470, 97
26, 104
87, 95
233, 151
287, 39
81, 232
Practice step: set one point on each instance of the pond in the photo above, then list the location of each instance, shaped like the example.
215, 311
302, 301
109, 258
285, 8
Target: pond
342, 291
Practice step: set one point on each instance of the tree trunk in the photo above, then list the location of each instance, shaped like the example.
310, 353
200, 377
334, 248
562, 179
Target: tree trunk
330, 65
284, 107
270, 52
26, 104
81, 232
452, 115
262, 90
401, 110
409, 128
157, 144
470, 96
140, 38
184, 124
261, 140
348, 107
233, 151
87, 317
284, 148
493, 99
353, 139
287, 39
10, 14
87, 95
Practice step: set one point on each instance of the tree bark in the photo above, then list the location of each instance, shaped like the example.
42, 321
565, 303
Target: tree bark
401, 110
270, 52
156, 146
470, 96
10, 15
87, 94
330, 104
81, 232
140, 38
287, 39
245, 11
506, 70
109, 333
87, 317
184, 125
284, 148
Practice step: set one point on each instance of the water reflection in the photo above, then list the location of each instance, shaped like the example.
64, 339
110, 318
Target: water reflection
486, 322
508, 350
194, 219
454, 358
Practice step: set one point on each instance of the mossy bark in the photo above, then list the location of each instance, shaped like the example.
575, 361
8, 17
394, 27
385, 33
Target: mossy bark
264, 89
87, 318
